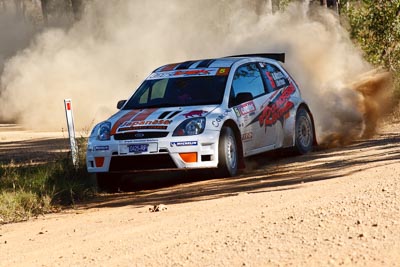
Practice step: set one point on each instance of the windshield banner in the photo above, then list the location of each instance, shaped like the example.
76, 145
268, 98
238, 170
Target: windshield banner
183, 73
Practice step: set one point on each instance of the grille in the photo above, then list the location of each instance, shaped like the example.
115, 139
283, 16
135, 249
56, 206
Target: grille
139, 135
143, 162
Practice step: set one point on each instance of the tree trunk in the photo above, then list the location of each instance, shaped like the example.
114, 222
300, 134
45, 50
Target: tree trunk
19, 8
3, 5
44, 4
77, 8
269, 6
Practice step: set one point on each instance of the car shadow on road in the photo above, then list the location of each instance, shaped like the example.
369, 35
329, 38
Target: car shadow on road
274, 171
33, 151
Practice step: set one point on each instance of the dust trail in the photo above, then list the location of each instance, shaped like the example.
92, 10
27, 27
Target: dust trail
104, 57
15, 34
367, 100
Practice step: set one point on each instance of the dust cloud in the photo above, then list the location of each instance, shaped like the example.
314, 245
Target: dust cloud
103, 57
15, 34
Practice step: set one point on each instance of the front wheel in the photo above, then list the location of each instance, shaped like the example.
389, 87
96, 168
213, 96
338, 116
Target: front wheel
304, 132
227, 153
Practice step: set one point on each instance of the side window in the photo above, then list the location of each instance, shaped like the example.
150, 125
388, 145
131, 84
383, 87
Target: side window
157, 90
144, 97
247, 84
274, 77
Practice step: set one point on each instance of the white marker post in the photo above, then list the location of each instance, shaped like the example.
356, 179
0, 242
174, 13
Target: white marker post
71, 131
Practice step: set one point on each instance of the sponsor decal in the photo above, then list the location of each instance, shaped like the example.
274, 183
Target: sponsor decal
220, 118
191, 72
277, 79
237, 112
271, 80
101, 148
134, 115
161, 75
145, 127
245, 108
277, 75
277, 109
184, 143
194, 113
135, 125
127, 116
132, 141
280, 82
183, 73
247, 136
223, 71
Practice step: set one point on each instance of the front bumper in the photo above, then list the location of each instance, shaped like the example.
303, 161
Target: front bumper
178, 152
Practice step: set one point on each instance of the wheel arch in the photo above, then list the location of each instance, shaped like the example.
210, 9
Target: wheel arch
231, 124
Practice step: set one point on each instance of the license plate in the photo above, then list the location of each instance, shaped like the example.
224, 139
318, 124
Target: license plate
138, 148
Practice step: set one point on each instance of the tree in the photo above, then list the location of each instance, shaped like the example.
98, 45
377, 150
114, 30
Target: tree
45, 10
333, 4
77, 6
375, 25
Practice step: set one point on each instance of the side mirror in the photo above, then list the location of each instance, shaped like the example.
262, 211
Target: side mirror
120, 104
243, 97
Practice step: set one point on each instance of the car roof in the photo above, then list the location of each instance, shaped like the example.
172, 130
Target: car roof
219, 62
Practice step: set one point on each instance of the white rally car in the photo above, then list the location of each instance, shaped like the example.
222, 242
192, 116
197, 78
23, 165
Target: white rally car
203, 114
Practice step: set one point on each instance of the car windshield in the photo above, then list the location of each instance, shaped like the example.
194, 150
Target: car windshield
184, 91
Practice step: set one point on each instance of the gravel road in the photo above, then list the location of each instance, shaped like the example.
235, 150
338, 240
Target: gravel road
337, 207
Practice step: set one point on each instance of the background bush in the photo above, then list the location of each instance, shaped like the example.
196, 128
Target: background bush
374, 25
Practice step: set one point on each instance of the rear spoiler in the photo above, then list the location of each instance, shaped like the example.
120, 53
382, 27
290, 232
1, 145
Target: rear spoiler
276, 56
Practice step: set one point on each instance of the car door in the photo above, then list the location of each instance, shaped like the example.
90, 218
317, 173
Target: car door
277, 106
249, 92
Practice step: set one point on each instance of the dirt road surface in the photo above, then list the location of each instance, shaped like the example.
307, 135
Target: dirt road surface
337, 207
20, 146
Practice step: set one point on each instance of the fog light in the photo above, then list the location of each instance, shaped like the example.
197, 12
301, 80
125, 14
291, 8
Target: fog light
189, 157
99, 161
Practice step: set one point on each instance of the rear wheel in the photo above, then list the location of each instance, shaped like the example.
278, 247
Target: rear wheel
227, 153
304, 132
108, 182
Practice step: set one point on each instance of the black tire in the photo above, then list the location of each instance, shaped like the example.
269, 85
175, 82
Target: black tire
227, 153
304, 132
108, 182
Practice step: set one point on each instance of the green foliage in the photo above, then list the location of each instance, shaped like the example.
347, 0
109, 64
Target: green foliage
375, 27
282, 4
27, 191
20, 205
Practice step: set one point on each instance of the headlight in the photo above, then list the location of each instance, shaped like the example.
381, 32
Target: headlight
191, 126
103, 131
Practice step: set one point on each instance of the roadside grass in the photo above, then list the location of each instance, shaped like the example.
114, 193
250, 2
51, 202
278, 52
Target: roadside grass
31, 190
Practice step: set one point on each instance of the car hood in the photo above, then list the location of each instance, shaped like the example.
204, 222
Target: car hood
159, 119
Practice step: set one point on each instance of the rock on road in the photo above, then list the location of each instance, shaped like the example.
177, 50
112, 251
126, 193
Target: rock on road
337, 207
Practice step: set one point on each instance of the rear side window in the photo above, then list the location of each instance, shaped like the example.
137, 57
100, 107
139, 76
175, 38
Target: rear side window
247, 79
274, 76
